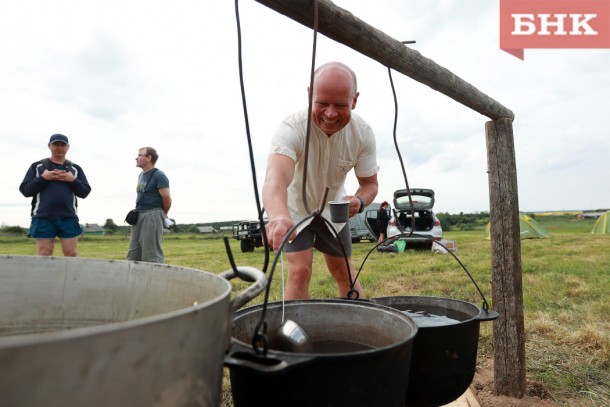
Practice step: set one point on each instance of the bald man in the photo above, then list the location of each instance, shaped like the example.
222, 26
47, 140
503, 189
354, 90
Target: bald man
339, 142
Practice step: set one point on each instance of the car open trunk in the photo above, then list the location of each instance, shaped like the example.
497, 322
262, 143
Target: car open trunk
423, 201
424, 220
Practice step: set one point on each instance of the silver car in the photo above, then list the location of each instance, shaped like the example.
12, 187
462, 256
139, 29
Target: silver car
427, 226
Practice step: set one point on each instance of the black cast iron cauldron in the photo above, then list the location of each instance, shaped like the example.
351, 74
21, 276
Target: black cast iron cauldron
444, 357
364, 361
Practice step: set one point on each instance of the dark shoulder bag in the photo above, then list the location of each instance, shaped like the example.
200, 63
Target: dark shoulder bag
132, 217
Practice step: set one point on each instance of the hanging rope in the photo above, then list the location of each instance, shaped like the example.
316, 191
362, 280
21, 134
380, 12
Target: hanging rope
310, 105
259, 209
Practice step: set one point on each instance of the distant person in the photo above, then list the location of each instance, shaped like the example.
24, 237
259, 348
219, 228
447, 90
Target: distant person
339, 142
54, 183
383, 218
152, 203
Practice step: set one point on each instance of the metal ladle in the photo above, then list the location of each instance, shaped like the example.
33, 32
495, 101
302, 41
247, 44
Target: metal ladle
291, 337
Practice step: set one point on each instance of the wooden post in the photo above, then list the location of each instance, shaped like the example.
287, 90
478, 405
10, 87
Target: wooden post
507, 289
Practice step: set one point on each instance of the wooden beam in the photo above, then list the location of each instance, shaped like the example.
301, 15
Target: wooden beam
342, 26
507, 289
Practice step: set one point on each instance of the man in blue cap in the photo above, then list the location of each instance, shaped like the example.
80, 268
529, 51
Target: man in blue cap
54, 183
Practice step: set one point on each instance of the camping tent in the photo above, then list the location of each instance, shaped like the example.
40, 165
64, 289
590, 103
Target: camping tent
528, 227
602, 225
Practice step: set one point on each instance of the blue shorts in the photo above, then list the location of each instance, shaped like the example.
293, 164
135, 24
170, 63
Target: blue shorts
47, 229
317, 235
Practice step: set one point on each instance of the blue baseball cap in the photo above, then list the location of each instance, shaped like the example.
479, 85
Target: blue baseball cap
58, 137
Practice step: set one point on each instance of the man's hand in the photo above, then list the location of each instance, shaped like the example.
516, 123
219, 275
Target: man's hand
280, 169
58, 175
367, 191
276, 231
354, 204
65, 176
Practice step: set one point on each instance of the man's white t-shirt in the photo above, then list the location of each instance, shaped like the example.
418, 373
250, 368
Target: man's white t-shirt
330, 158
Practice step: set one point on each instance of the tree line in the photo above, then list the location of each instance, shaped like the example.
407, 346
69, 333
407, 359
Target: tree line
461, 221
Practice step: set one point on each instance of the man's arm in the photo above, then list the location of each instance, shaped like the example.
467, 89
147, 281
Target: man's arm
32, 184
280, 170
367, 191
166, 199
80, 185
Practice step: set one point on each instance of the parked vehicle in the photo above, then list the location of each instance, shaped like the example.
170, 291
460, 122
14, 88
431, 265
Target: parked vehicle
364, 225
427, 226
248, 232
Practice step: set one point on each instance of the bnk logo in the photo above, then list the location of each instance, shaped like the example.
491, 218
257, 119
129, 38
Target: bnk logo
553, 24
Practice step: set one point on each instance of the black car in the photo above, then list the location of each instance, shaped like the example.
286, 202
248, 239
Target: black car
248, 232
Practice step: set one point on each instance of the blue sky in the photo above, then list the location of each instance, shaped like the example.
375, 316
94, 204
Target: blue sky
116, 76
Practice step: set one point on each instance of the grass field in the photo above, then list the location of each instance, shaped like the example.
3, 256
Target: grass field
566, 281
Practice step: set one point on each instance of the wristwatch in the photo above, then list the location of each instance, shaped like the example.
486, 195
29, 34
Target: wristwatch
362, 204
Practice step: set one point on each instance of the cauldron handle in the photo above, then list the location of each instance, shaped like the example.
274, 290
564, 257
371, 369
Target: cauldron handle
484, 306
249, 274
242, 356
487, 315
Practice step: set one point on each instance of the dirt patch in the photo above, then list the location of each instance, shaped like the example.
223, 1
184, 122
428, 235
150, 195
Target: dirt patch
483, 387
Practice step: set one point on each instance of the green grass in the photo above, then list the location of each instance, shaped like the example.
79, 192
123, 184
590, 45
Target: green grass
566, 281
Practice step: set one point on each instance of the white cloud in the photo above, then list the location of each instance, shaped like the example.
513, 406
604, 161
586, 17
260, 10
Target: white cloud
116, 76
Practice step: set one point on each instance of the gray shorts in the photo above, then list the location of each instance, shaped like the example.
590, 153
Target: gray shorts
317, 235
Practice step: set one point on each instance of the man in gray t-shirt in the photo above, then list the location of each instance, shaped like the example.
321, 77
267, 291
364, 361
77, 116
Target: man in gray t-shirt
152, 204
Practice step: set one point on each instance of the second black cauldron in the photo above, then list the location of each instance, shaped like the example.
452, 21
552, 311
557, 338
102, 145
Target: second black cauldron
444, 356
